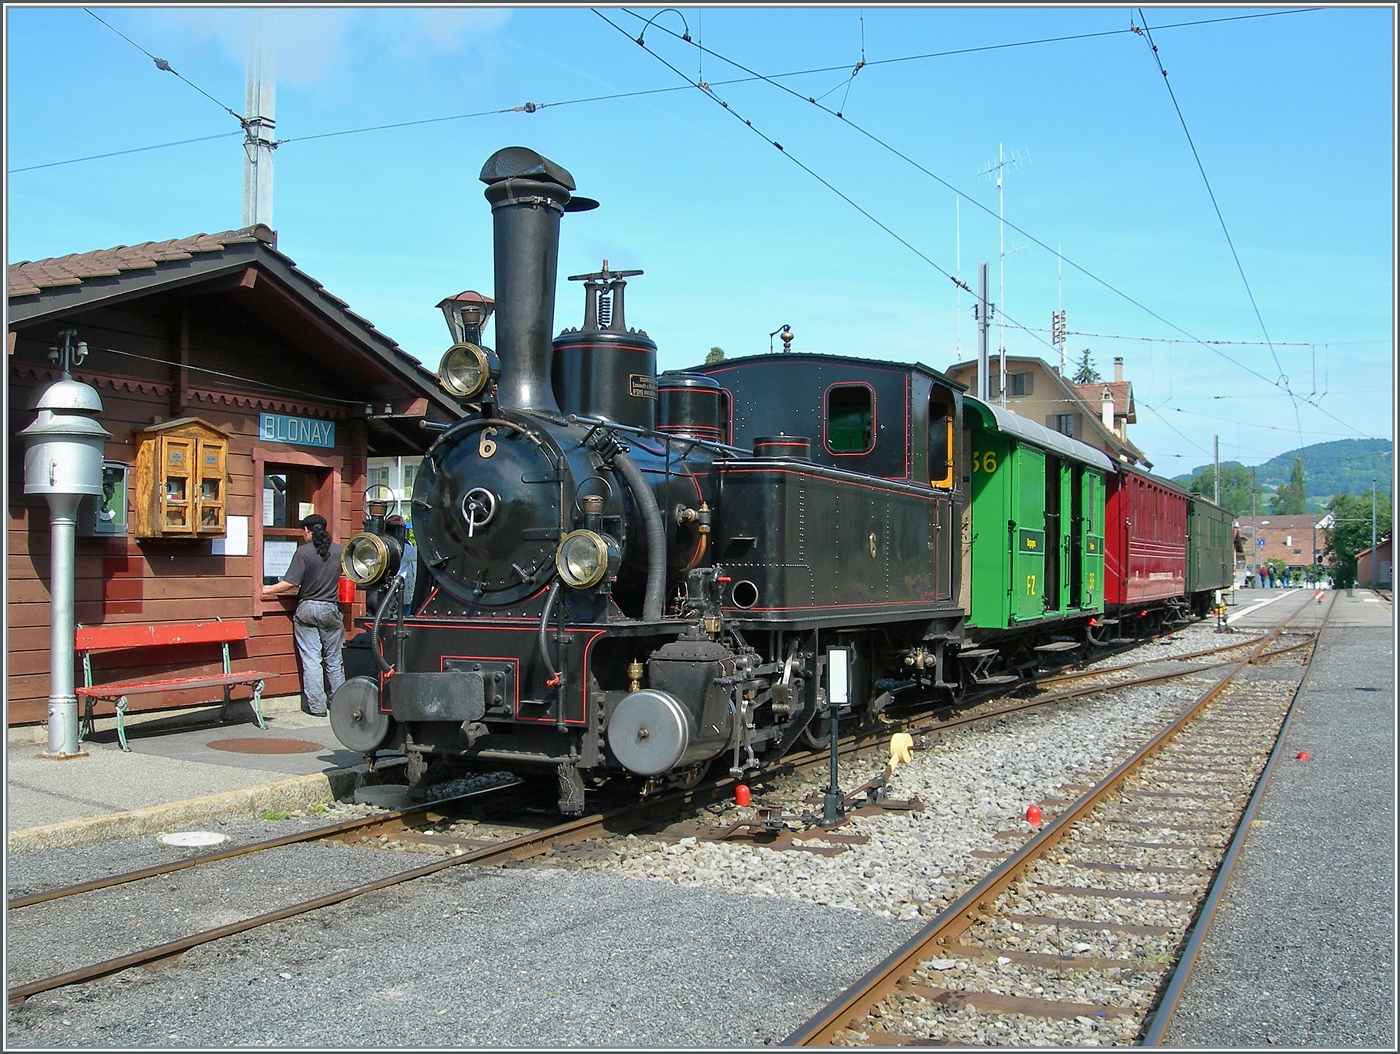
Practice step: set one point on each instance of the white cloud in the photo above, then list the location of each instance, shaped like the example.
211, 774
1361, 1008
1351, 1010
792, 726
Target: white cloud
314, 42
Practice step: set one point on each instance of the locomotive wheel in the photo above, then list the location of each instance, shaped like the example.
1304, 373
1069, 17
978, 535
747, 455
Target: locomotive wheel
355, 716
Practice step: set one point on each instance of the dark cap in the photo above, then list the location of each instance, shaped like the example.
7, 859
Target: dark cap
314, 520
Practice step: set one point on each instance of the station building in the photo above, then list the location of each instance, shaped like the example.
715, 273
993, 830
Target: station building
1298, 541
1373, 568
1098, 413
240, 396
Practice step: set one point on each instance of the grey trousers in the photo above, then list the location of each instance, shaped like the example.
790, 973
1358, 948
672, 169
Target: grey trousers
320, 634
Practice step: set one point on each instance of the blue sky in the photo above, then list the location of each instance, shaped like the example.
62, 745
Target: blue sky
1292, 117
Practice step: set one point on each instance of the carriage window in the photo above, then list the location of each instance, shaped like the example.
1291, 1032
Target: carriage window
850, 419
940, 439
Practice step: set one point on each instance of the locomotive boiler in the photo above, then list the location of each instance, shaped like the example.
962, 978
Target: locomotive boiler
606, 586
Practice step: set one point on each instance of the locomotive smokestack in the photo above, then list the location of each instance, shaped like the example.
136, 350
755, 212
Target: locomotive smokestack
528, 194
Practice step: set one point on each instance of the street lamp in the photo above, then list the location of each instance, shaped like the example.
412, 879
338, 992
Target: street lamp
63, 462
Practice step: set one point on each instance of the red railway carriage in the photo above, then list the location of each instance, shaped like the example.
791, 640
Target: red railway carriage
1145, 540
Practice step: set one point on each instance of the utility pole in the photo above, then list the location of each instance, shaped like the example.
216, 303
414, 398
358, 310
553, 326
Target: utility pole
1060, 285
258, 125
1217, 470
1373, 532
1253, 524
982, 322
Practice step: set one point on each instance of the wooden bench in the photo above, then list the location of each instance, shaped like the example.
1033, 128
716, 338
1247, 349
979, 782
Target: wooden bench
126, 638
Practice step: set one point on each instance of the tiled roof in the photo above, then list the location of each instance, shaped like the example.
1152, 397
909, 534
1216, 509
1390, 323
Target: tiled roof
1285, 523
33, 276
1121, 391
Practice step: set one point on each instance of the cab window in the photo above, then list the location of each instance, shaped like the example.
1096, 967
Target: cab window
940, 438
850, 419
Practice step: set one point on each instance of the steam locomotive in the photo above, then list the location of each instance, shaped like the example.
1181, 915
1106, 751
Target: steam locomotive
619, 572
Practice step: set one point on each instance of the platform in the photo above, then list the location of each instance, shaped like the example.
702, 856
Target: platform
179, 771
1301, 950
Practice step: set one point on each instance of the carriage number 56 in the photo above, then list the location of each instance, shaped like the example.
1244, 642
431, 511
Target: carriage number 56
985, 461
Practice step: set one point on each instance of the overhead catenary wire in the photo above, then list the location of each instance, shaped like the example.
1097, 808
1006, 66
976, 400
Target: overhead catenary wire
535, 107
132, 150
161, 64
943, 182
1200, 167
708, 92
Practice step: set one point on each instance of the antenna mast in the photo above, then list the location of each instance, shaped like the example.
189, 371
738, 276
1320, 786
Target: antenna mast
1002, 163
957, 222
258, 125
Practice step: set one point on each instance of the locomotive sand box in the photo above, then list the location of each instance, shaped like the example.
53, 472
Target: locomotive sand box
620, 573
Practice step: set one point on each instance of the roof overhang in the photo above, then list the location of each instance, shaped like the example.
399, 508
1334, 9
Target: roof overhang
1026, 430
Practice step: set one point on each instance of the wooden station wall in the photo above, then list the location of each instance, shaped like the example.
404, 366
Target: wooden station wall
154, 360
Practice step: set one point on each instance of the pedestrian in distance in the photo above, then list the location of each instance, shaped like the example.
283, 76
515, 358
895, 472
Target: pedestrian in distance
317, 626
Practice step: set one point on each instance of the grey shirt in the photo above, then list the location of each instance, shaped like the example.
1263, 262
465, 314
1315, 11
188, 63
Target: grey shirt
317, 578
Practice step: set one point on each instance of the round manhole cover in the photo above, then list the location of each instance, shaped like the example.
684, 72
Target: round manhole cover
267, 746
192, 838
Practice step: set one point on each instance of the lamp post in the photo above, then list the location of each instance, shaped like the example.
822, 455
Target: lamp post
63, 462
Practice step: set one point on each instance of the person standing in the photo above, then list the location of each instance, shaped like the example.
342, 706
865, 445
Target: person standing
317, 626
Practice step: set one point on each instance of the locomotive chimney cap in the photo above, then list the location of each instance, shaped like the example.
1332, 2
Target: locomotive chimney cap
520, 162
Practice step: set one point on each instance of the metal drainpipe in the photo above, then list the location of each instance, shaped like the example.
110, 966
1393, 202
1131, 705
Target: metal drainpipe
63, 701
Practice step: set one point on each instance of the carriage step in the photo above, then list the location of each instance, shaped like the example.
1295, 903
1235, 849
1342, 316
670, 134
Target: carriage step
1115, 641
1108, 622
978, 653
1059, 645
997, 680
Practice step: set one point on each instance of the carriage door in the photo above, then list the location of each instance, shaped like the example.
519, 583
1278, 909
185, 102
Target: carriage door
1076, 536
1054, 539
1027, 538
1092, 496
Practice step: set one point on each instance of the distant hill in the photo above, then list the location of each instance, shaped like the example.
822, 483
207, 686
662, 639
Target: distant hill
1345, 466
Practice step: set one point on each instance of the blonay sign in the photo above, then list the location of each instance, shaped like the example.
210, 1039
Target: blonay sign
302, 431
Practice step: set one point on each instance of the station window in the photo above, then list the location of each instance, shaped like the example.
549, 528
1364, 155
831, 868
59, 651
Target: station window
850, 419
290, 494
940, 438
290, 485
1018, 384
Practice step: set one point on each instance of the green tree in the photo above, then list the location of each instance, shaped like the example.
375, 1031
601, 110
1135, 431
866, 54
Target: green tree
1351, 534
716, 355
1234, 488
1086, 374
1292, 497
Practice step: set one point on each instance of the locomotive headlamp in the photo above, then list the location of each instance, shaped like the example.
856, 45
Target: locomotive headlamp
467, 369
583, 558
367, 558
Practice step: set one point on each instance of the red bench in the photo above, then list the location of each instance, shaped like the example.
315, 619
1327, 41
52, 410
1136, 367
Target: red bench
126, 638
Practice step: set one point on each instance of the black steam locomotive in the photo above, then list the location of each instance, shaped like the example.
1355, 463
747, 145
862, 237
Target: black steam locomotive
603, 585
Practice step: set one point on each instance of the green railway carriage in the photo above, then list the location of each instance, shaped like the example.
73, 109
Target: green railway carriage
1210, 553
1034, 552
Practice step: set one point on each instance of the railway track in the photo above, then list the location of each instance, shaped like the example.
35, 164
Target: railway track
1072, 938
446, 827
